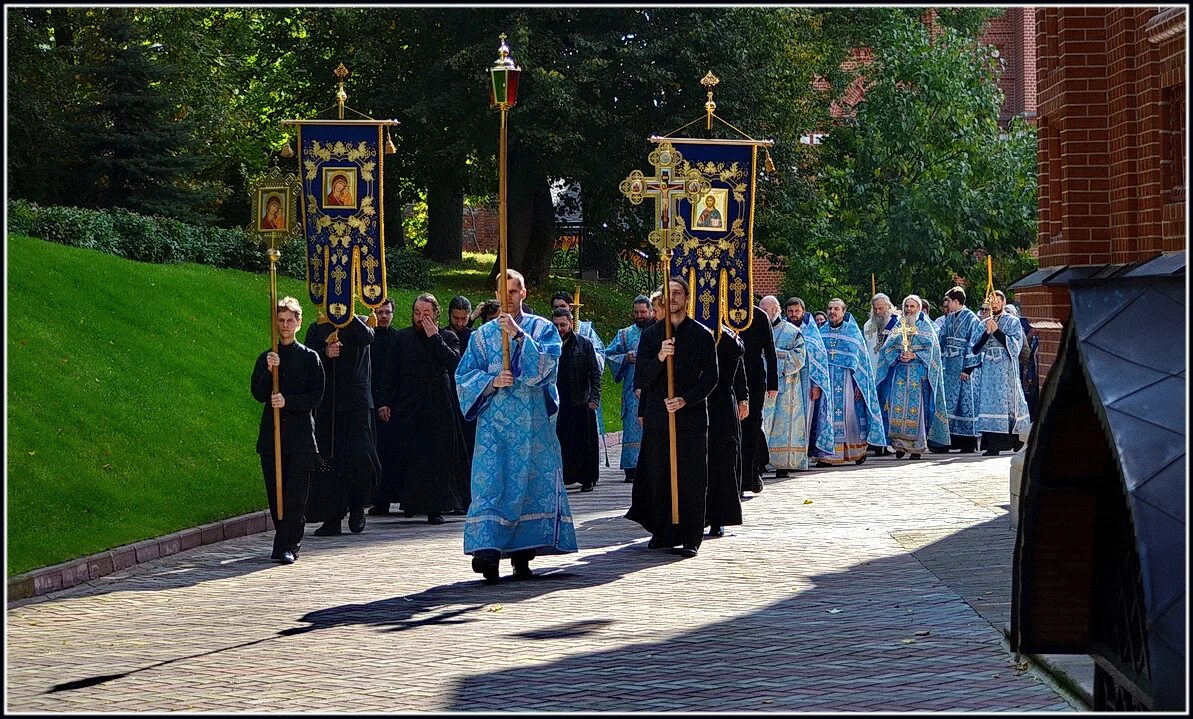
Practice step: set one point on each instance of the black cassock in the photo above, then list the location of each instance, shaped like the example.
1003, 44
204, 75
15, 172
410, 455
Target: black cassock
762, 375
468, 426
430, 444
300, 382
347, 468
695, 363
724, 433
387, 486
579, 382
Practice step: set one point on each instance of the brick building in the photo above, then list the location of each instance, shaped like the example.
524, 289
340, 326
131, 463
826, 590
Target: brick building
1111, 103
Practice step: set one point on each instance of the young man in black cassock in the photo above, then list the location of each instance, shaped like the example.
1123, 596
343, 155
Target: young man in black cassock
695, 359
728, 403
430, 447
579, 384
762, 378
384, 333
460, 319
348, 467
300, 387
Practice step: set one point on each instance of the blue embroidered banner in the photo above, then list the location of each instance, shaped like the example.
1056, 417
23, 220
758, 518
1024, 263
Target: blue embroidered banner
718, 245
341, 168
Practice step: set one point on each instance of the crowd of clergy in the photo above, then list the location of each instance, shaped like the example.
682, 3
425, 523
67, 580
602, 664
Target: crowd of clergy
429, 418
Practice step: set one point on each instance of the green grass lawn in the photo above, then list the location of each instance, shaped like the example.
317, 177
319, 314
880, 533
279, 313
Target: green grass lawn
129, 413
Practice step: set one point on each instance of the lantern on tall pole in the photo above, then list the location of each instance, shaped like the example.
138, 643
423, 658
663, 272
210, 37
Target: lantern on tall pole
503, 95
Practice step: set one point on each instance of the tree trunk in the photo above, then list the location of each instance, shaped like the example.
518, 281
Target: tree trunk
445, 214
395, 231
541, 244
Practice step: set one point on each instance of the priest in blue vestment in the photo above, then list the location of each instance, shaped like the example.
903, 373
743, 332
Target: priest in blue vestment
816, 378
622, 354
960, 330
911, 384
787, 419
857, 420
519, 505
1002, 408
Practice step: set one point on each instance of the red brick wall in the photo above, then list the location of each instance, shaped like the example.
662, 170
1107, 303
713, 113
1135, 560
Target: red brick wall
1111, 152
485, 233
767, 278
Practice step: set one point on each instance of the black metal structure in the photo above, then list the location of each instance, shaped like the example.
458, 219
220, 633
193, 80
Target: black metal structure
1100, 553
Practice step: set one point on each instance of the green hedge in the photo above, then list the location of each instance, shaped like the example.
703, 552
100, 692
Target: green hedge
161, 240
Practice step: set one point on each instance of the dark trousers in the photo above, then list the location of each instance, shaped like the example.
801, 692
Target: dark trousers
999, 441
296, 482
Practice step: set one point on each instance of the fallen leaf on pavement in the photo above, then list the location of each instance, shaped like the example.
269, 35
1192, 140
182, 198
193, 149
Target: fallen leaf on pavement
807, 501
907, 641
494, 608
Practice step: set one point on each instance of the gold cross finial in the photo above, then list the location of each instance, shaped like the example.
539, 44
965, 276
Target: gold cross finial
341, 72
710, 81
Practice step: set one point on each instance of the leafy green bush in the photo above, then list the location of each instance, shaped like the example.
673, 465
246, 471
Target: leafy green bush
76, 227
21, 215
404, 268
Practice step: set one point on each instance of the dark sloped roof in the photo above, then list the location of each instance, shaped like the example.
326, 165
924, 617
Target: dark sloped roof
1130, 331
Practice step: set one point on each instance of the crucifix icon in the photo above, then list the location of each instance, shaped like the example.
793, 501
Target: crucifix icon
706, 299
371, 264
906, 331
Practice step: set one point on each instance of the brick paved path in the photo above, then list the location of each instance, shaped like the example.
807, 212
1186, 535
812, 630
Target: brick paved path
847, 589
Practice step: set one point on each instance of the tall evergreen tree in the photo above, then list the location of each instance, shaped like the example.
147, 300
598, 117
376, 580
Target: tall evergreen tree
138, 141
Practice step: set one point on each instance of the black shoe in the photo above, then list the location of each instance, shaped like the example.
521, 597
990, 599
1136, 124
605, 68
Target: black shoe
758, 486
380, 510
587, 487
823, 465
629, 480
990, 453
938, 450
435, 519
486, 569
655, 543
356, 520
969, 450
782, 474
916, 455
408, 514
899, 454
715, 531
288, 557
861, 461
330, 528
687, 551
522, 569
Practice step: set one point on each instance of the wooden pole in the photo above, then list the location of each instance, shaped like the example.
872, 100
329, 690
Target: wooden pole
502, 241
274, 255
667, 334
873, 286
989, 277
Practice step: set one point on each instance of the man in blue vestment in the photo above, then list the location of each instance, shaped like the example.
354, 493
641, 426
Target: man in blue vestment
1002, 408
622, 354
959, 332
857, 421
816, 378
911, 384
519, 505
787, 419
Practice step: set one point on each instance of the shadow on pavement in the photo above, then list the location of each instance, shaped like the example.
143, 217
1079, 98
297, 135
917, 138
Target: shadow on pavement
882, 635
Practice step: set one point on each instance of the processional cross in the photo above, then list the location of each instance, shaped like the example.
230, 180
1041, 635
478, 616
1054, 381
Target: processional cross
906, 331
666, 187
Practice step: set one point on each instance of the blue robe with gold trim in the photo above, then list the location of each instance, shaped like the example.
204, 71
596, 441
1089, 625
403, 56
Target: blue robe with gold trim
518, 498
912, 393
856, 422
626, 340
959, 332
1002, 408
788, 418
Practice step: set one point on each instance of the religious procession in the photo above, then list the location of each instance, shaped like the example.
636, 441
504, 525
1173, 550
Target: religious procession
495, 413
675, 358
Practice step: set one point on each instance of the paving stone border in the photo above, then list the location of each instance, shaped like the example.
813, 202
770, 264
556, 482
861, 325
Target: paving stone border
78, 571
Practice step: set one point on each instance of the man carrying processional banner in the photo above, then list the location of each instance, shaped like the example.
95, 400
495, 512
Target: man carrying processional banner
704, 211
341, 169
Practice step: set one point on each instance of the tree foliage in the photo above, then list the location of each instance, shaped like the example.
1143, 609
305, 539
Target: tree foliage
920, 181
173, 109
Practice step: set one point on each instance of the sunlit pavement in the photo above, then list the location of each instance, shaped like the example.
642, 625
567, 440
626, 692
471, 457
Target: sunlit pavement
868, 588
